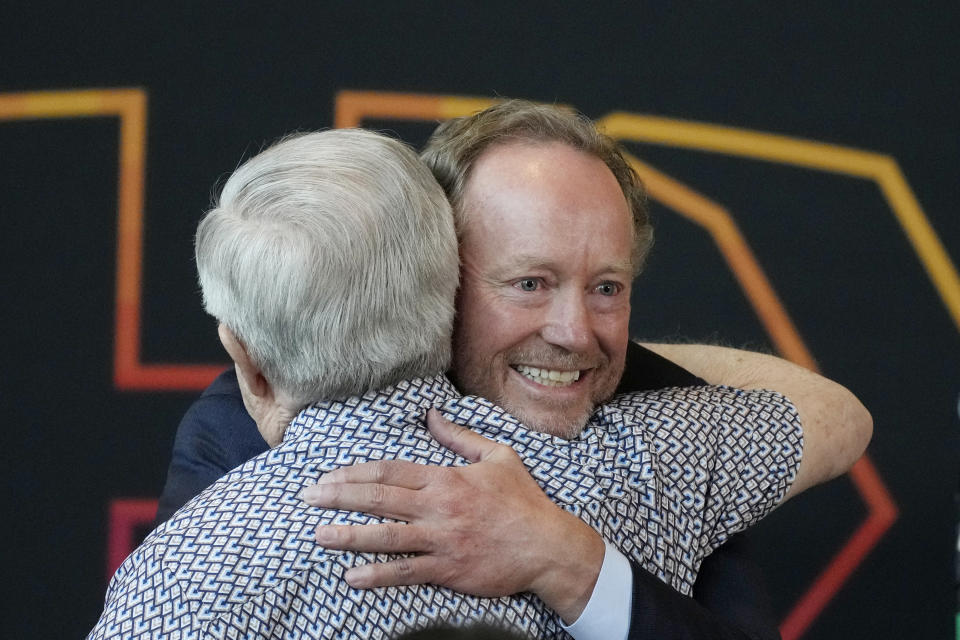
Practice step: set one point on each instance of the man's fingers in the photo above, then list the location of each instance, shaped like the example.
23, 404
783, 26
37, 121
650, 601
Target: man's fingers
372, 538
398, 473
379, 499
403, 571
461, 441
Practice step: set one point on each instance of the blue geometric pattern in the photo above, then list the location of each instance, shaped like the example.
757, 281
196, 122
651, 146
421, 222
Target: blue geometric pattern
665, 476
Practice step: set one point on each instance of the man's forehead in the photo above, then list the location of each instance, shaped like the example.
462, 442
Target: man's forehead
542, 202
548, 168
527, 148
534, 262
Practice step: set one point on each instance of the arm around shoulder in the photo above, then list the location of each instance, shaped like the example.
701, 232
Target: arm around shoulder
836, 425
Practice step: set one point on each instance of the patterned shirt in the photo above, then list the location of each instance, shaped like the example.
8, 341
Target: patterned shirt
665, 476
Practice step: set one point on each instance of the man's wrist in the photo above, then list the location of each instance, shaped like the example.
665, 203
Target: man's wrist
575, 563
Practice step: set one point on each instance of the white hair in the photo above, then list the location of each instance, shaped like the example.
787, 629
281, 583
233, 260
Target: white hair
332, 257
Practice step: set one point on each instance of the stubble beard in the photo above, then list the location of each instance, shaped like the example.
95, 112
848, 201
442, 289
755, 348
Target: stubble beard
556, 425
559, 420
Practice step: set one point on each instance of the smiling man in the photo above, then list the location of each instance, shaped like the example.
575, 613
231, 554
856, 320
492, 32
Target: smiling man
546, 234
553, 227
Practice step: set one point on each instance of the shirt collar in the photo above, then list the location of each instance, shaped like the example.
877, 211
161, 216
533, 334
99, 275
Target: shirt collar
405, 396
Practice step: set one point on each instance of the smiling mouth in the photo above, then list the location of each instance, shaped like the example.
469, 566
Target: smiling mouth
548, 377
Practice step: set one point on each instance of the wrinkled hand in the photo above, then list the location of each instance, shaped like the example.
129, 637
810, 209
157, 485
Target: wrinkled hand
486, 528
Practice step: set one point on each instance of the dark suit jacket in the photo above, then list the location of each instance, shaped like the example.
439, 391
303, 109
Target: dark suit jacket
730, 601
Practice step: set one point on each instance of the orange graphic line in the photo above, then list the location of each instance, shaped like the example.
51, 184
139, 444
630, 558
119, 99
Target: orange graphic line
882, 514
132, 167
716, 220
783, 333
735, 250
130, 106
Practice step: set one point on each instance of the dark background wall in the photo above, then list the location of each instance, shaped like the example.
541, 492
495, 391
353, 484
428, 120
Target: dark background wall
221, 80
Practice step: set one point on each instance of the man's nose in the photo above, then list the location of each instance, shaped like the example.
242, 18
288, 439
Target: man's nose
568, 323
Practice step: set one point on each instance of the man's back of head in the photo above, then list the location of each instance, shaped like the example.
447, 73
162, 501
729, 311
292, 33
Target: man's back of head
331, 256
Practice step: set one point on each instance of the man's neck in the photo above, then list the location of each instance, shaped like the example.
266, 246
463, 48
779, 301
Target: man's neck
405, 395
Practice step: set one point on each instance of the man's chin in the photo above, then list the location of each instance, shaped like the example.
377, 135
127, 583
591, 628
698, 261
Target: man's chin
563, 424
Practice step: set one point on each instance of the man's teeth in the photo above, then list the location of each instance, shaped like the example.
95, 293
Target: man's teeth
548, 377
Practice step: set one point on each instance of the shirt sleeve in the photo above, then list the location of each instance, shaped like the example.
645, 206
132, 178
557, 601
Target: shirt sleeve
757, 441
607, 614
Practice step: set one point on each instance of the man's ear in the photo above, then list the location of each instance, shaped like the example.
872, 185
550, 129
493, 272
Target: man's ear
251, 378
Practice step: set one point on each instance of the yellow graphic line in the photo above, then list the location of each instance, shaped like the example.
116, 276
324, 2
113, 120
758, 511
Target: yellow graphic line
130, 106
880, 168
740, 142
65, 104
455, 107
924, 239
352, 107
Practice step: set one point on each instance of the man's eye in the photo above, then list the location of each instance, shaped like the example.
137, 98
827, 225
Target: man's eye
608, 289
528, 284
